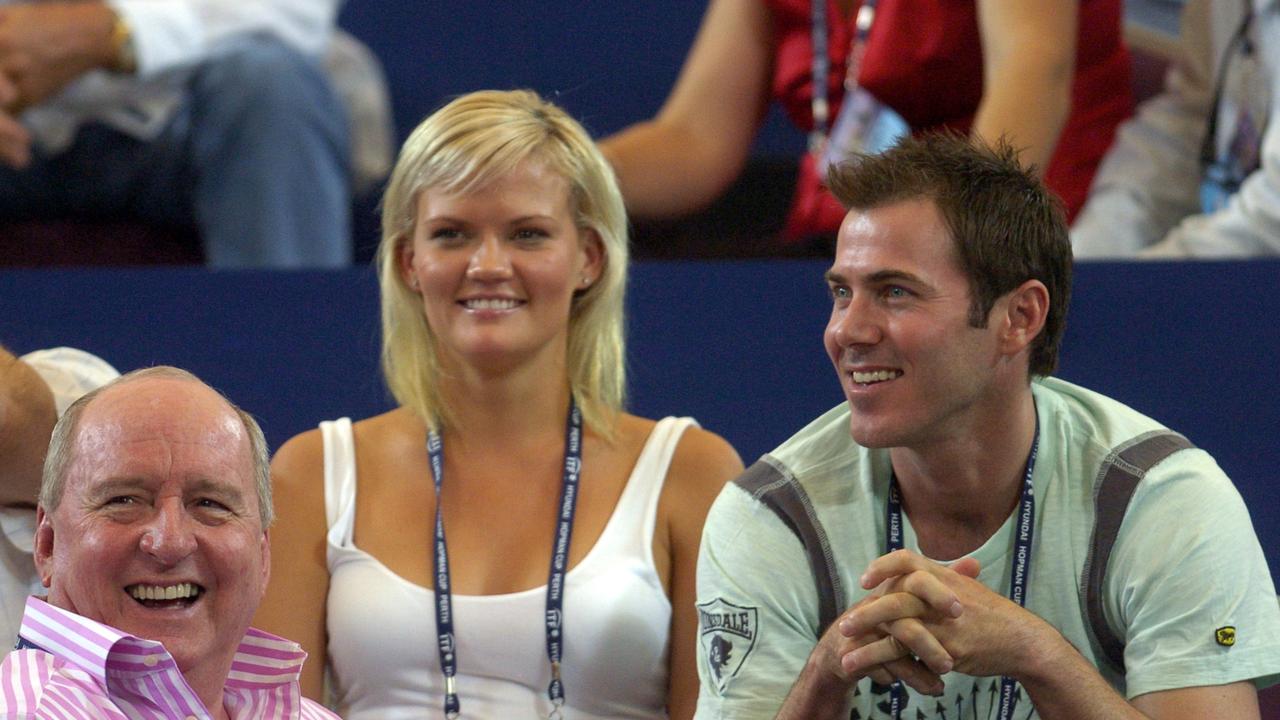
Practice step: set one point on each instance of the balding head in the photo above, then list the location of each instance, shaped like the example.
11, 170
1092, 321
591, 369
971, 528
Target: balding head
62, 445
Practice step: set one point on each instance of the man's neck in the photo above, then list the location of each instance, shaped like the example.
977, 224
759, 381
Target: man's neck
208, 684
958, 491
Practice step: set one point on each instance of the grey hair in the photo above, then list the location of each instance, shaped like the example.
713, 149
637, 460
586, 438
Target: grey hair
62, 444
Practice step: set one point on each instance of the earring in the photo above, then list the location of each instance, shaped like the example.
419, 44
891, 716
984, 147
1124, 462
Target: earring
413, 283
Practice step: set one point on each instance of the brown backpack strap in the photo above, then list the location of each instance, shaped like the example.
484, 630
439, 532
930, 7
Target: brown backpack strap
1118, 478
779, 491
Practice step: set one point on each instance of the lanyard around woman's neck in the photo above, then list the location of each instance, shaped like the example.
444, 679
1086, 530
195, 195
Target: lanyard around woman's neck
1019, 577
554, 615
820, 103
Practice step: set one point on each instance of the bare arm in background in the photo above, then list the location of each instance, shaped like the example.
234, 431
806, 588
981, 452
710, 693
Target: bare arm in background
27, 416
686, 156
1028, 59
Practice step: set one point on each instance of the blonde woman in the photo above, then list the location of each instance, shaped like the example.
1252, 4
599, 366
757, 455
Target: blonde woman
508, 542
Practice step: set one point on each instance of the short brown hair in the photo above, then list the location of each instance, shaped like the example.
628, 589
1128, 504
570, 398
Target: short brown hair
1007, 226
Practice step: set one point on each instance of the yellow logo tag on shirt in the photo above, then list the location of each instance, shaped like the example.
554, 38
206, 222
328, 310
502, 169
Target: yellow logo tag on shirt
1226, 636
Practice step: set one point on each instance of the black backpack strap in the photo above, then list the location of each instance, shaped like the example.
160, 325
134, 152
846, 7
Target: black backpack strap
1118, 478
778, 490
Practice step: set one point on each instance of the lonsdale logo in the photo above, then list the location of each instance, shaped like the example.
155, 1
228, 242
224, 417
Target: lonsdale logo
727, 633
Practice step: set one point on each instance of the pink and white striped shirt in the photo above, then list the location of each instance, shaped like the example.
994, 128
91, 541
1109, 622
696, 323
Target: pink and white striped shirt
80, 668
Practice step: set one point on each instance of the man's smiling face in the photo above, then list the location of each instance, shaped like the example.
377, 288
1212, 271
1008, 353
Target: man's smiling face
158, 532
913, 367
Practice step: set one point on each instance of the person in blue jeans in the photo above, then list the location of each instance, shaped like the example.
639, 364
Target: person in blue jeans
209, 113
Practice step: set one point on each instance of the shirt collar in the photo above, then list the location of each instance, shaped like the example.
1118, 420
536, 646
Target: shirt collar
262, 660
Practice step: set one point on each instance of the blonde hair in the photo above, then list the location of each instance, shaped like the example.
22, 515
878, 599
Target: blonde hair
461, 148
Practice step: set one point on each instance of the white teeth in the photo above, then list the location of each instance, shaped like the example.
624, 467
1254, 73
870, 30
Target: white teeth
490, 304
875, 377
164, 592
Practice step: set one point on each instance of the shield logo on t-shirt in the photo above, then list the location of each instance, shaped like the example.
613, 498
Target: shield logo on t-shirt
726, 636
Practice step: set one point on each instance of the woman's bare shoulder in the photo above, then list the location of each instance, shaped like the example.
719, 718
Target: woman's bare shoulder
702, 458
390, 434
303, 454
705, 459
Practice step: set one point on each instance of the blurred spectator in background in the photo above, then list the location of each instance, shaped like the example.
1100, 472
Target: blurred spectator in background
1053, 76
34, 392
214, 114
1194, 174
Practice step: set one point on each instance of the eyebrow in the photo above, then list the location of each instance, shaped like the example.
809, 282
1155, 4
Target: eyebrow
880, 276
424, 219
113, 486
215, 487
460, 221
896, 275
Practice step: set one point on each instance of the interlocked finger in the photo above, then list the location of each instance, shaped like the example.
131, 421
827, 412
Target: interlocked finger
918, 642
878, 652
897, 646
882, 610
933, 592
914, 674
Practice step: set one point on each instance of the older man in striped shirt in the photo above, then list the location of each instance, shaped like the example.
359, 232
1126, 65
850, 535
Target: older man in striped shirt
152, 541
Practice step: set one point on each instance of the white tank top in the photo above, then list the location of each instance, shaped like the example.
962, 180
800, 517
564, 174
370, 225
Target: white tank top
383, 661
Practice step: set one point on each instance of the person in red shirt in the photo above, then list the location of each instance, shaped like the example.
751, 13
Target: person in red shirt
1053, 77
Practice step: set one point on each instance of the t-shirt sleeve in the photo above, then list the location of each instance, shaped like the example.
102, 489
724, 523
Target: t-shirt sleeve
757, 610
1188, 584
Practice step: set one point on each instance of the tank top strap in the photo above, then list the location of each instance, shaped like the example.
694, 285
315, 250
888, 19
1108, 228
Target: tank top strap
637, 509
339, 479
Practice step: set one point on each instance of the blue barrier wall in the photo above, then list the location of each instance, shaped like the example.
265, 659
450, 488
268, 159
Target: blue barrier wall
735, 344
609, 64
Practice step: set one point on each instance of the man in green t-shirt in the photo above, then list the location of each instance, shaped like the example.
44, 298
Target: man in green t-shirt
950, 542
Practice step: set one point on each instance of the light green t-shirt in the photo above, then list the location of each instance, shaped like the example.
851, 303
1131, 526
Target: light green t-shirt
1185, 564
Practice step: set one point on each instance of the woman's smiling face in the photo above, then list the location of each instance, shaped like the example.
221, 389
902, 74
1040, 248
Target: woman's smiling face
497, 266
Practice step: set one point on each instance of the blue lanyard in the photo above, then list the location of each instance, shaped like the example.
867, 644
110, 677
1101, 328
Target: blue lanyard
1239, 42
1019, 579
820, 104
555, 582
1223, 172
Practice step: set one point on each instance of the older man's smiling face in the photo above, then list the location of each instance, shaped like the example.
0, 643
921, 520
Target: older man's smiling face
158, 532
